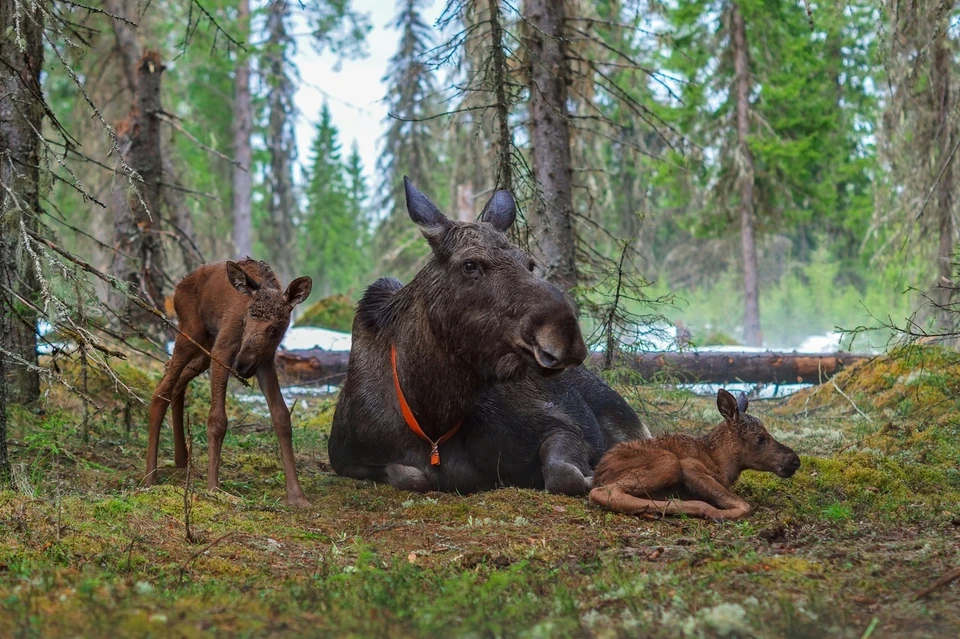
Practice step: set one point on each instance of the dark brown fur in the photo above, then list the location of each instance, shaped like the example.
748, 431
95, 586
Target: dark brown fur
653, 475
483, 342
237, 312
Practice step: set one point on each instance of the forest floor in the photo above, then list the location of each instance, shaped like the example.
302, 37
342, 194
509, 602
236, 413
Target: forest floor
841, 549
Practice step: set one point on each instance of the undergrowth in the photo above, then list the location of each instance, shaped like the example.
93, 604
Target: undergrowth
872, 516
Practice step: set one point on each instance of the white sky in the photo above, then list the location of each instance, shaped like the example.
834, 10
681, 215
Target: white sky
355, 92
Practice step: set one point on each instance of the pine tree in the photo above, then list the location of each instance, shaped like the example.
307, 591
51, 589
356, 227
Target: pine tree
332, 235
411, 138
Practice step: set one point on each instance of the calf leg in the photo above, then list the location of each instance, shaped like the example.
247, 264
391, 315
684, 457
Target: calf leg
563, 455
632, 492
280, 416
618, 498
183, 353
217, 419
197, 365
698, 482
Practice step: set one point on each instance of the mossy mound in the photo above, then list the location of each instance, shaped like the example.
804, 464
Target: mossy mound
334, 312
896, 384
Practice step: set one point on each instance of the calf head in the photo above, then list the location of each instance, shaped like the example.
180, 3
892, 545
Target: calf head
758, 450
484, 302
267, 316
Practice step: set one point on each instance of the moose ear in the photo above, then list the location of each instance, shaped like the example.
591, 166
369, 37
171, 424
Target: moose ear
424, 212
742, 402
500, 211
727, 406
298, 290
241, 280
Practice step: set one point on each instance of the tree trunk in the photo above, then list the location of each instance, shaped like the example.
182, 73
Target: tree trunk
751, 280
21, 121
281, 203
330, 367
180, 219
943, 289
498, 60
139, 256
550, 142
242, 127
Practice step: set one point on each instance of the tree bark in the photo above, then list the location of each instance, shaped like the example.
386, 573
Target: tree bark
21, 120
498, 60
330, 367
550, 142
944, 286
281, 201
242, 128
128, 47
139, 256
751, 280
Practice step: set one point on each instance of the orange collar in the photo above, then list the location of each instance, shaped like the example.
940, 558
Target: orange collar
412, 421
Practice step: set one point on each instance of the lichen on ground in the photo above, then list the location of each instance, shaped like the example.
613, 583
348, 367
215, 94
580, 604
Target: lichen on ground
872, 517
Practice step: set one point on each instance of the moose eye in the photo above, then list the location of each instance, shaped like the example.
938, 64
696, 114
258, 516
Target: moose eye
470, 267
761, 440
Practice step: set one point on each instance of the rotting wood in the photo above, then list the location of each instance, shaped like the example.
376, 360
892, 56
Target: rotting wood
318, 366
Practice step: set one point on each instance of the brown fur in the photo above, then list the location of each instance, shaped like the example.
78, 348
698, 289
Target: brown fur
237, 312
654, 475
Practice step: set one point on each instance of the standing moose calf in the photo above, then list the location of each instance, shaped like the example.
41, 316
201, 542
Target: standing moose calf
651, 476
237, 312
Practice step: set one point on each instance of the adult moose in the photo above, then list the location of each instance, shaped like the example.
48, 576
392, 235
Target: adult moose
469, 377
236, 312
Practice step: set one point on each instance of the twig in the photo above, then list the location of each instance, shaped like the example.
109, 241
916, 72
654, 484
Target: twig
183, 566
165, 117
952, 575
188, 486
112, 281
845, 396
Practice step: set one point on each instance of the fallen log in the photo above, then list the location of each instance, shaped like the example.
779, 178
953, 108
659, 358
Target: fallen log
725, 367
318, 366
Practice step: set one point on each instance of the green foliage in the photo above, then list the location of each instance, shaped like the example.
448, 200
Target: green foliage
332, 235
335, 312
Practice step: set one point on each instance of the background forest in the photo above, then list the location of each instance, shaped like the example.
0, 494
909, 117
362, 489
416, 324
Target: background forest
772, 169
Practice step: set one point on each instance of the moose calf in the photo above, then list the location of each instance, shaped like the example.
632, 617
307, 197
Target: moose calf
236, 312
652, 475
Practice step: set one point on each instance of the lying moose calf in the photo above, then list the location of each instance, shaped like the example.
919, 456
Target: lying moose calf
236, 312
651, 476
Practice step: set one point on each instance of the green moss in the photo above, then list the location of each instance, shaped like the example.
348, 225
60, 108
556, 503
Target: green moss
334, 312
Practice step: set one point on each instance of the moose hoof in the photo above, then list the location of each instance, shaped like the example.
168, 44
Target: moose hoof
298, 502
407, 478
566, 479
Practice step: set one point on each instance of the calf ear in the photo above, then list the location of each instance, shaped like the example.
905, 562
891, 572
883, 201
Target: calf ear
500, 211
727, 406
298, 290
742, 402
424, 212
241, 280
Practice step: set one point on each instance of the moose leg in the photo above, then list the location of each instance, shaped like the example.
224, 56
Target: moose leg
632, 493
280, 416
698, 481
197, 365
562, 456
182, 355
217, 419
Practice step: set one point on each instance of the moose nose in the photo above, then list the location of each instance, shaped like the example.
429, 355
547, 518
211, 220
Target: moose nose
791, 466
554, 349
